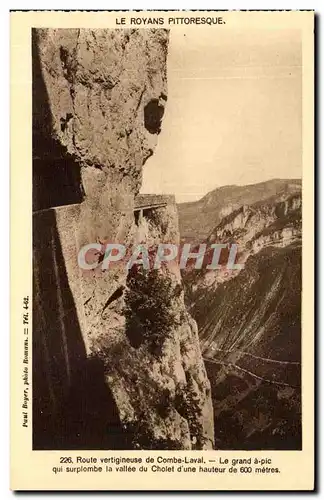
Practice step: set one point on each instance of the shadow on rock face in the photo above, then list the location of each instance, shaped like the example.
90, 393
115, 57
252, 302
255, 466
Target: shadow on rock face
73, 407
90, 417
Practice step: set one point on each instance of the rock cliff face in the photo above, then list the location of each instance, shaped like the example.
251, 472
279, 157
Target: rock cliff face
156, 371
249, 325
253, 353
98, 103
274, 222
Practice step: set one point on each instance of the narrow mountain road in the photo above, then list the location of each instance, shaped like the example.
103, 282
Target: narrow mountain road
233, 365
269, 360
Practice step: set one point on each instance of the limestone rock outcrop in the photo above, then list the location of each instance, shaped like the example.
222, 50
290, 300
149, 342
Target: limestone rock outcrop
98, 103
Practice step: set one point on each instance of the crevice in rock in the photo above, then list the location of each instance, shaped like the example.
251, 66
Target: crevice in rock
116, 295
153, 114
65, 121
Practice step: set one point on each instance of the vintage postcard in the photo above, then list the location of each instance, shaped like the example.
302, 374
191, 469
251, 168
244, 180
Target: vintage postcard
162, 210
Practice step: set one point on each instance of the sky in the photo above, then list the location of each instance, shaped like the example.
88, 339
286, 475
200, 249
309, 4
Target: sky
233, 114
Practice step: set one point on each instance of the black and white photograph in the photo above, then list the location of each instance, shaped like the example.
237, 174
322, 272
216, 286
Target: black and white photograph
162, 199
140, 357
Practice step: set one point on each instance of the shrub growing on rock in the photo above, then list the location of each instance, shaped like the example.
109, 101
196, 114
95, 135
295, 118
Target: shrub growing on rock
149, 311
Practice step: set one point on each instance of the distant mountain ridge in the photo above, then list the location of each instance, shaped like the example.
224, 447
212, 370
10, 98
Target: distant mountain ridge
197, 219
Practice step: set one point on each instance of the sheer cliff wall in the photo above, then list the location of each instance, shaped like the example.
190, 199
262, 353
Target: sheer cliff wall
98, 103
